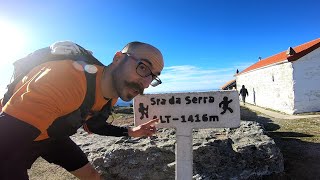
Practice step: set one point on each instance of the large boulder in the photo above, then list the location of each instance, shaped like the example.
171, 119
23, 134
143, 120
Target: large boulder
241, 153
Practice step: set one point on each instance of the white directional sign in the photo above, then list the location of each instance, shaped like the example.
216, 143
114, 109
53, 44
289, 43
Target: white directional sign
219, 109
187, 111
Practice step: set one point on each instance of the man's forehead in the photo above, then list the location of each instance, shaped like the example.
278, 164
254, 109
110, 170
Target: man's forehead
149, 54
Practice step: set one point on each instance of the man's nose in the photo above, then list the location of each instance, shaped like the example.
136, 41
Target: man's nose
146, 81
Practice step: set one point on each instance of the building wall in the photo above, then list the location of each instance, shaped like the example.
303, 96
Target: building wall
306, 78
270, 87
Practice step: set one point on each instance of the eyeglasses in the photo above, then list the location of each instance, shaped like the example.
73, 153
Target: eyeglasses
144, 71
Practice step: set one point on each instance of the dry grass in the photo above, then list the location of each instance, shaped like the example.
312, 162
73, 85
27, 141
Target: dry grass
299, 141
308, 128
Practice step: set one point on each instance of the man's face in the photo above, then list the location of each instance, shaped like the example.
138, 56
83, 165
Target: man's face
134, 72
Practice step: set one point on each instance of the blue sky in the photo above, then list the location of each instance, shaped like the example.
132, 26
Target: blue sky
203, 42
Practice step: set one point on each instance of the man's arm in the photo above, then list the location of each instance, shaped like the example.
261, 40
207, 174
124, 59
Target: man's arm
101, 127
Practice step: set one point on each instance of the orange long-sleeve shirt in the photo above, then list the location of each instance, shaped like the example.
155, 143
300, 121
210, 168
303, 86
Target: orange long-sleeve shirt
52, 90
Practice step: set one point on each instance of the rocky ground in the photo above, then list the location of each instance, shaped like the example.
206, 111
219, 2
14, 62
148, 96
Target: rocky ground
298, 140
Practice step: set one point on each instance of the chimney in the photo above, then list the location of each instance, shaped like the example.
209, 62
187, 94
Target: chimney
290, 51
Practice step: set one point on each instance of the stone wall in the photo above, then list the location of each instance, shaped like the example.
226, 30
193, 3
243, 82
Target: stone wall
270, 87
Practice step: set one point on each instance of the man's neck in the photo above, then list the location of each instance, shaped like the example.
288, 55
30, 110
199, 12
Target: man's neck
107, 87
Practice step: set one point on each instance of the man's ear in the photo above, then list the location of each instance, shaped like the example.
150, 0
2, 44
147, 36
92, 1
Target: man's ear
117, 57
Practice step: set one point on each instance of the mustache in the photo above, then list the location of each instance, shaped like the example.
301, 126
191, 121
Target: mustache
135, 86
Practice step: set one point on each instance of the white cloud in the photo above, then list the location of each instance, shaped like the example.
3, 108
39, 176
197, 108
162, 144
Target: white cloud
192, 78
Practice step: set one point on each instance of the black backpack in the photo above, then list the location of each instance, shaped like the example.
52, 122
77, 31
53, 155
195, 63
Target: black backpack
68, 124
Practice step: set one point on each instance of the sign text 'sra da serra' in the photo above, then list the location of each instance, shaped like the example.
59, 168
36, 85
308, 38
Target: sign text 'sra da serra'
155, 101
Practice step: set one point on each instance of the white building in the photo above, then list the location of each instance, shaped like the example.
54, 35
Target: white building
288, 82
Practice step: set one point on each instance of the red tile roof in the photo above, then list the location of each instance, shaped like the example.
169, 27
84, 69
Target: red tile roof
228, 83
301, 51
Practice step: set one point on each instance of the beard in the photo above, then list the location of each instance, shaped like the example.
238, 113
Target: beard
134, 86
121, 84
120, 89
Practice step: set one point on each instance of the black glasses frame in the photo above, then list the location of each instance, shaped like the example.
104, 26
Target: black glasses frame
155, 79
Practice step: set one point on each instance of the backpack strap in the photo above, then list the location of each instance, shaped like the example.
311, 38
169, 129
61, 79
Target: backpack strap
105, 112
89, 99
89, 57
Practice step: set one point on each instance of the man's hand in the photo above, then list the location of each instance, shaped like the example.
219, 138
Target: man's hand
146, 129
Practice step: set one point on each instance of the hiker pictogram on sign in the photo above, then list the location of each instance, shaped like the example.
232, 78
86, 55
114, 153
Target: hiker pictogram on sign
225, 105
143, 111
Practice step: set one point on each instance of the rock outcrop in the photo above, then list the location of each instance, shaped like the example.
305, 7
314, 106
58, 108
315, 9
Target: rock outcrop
241, 153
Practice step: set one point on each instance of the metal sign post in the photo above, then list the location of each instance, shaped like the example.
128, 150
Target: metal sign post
185, 112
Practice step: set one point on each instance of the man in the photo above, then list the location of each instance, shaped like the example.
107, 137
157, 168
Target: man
57, 88
244, 93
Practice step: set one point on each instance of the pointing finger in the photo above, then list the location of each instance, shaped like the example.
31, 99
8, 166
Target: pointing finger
152, 122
